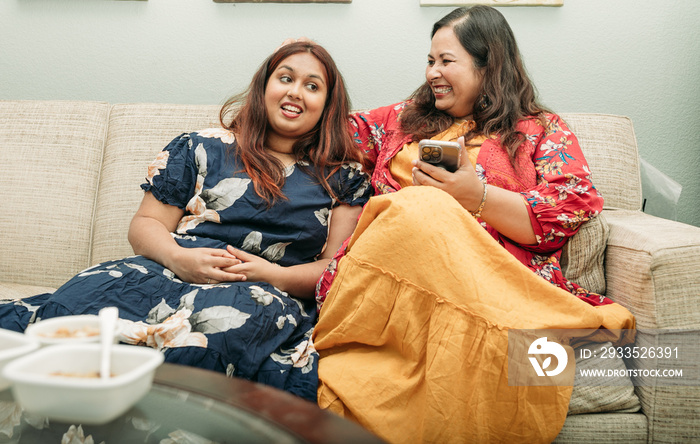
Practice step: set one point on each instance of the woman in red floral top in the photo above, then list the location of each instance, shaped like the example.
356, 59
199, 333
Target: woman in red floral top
549, 172
413, 327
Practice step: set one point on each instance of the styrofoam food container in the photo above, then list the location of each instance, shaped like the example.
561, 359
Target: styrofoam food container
65, 330
12, 346
76, 399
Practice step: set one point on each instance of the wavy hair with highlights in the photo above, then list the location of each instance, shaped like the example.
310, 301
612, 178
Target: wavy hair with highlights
327, 146
507, 96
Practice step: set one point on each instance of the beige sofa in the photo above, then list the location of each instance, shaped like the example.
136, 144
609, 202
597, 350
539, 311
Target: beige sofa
70, 185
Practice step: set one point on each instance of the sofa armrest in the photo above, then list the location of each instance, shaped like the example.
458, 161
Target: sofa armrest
652, 267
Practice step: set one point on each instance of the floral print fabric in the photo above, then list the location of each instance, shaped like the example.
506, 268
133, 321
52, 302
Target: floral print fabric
245, 329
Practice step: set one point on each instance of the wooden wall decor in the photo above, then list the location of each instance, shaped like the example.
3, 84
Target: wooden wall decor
492, 2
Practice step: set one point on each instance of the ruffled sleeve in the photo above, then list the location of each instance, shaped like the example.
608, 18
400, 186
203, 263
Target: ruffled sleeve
378, 133
370, 128
172, 176
351, 185
564, 197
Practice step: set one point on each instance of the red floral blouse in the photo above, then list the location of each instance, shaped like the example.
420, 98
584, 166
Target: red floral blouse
549, 171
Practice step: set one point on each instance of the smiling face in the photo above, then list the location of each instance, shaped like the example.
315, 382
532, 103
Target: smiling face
451, 74
295, 97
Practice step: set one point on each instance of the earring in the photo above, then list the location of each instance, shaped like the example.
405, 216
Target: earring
484, 102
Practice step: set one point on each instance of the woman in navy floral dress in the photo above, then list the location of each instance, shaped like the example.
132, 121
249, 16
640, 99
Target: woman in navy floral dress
234, 232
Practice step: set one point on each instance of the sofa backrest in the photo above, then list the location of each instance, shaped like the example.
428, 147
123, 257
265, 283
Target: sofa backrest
137, 132
610, 147
72, 171
50, 152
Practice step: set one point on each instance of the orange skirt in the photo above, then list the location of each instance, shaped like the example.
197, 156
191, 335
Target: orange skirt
413, 336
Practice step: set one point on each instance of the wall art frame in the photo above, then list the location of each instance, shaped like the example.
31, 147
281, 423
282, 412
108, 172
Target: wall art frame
282, 1
492, 2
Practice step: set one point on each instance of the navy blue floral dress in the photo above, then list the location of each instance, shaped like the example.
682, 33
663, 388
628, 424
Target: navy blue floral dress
245, 329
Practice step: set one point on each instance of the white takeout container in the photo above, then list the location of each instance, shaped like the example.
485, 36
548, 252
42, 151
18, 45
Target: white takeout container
44, 330
12, 346
82, 400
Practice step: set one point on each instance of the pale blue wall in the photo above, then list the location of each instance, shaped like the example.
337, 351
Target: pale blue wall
639, 58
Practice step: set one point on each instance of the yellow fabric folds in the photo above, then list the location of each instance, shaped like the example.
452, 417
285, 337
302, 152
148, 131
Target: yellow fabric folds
413, 335
401, 165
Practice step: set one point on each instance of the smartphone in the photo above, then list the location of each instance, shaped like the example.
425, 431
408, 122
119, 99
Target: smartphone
442, 154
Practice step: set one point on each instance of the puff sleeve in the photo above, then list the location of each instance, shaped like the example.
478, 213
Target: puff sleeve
172, 176
351, 185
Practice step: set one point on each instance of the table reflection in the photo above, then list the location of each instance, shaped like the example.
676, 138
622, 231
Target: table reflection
164, 416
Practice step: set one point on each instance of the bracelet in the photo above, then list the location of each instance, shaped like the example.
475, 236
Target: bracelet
477, 213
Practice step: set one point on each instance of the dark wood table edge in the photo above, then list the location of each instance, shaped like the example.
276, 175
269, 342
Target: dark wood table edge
297, 416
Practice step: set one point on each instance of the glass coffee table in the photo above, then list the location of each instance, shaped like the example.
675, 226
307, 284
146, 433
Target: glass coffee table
195, 406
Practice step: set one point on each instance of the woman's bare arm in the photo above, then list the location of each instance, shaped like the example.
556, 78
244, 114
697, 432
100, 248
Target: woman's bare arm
149, 235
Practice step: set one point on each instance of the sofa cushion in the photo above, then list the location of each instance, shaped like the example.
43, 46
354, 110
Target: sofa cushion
601, 393
583, 255
137, 132
51, 155
19, 291
605, 428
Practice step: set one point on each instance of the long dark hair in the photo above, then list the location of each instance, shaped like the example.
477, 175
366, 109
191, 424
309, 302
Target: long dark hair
327, 146
507, 95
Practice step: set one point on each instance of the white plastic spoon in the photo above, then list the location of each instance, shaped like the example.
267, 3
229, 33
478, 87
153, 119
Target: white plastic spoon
108, 320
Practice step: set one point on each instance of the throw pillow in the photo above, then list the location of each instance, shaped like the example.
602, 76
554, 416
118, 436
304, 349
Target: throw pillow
582, 256
603, 392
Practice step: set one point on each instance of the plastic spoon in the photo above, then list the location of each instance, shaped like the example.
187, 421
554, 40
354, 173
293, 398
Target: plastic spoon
108, 319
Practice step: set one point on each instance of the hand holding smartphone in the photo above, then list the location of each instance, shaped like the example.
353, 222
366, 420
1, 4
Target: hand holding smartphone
442, 154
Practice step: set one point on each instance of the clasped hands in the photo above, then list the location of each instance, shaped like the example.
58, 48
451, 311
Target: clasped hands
464, 185
213, 266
